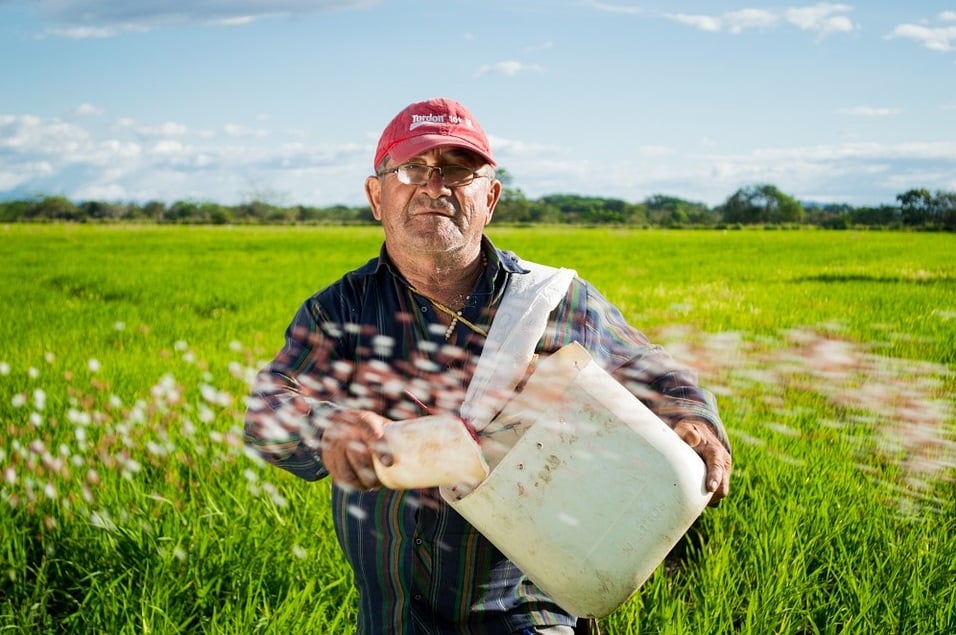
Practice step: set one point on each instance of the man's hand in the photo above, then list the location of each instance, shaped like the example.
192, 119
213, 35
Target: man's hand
347, 446
702, 438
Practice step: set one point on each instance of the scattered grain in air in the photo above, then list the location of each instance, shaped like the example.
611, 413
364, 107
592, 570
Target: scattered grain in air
357, 512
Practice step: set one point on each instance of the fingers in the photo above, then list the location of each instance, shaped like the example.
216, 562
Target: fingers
702, 438
348, 443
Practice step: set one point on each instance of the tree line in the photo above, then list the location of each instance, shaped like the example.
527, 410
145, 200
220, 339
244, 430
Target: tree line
761, 204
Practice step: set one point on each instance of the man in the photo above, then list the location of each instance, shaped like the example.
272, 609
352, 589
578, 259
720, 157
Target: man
398, 338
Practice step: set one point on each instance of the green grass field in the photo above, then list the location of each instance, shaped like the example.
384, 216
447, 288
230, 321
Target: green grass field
128, 505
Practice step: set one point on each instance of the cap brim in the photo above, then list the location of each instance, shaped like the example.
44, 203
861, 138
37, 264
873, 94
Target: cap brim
410, 148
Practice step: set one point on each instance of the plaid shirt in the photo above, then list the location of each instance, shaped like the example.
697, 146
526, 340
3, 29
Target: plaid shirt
368, 341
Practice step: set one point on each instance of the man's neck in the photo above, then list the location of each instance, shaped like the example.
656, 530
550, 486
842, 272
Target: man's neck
446, 278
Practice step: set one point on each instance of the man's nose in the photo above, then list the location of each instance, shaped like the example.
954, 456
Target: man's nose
435, 182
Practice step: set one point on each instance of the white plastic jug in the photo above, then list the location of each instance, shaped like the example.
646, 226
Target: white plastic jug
430, 451
594, 490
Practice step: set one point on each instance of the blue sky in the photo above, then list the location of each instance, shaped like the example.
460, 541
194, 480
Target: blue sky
283, 100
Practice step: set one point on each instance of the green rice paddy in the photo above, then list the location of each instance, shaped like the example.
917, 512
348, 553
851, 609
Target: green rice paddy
128, 505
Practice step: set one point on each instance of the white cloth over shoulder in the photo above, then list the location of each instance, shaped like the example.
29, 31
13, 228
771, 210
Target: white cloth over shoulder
518, 325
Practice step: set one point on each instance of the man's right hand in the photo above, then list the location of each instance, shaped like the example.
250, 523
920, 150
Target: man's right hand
347, 446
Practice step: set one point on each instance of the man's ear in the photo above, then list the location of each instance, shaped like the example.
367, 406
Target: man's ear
373, 192
494, 193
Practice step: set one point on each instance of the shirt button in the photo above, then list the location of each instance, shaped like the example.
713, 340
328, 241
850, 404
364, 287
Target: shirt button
418, 596
419, 541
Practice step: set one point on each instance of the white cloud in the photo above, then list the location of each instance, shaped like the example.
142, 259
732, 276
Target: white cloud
508, 68
655, 151
868, 111
168, 146
738, 21
236, 130
86, 110
858, 174
822, 19
101, 192
504, 148
52, 156
934, 38
615, 8
702, 22
80, 19
167, 129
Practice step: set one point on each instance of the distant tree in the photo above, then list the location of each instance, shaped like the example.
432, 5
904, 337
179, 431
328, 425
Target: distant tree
513, 206
215, 213
544, 213
916, 207
14, 211
56, 208
155, 210
884, 215
99, 210
589, 209
945, 203
182, 212
761, 204
254, 211
670, 211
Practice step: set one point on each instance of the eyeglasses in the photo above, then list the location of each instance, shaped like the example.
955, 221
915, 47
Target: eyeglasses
421, 174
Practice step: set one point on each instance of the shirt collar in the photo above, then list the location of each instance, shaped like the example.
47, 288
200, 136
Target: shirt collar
508, 260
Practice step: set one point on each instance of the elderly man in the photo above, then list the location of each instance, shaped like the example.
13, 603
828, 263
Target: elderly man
401, 334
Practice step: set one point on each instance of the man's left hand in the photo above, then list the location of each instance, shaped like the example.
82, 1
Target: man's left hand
702, 438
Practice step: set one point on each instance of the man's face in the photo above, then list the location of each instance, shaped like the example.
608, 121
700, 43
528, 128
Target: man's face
434, 218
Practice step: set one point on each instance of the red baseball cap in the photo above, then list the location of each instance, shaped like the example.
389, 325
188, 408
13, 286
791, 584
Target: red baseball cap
428, 124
